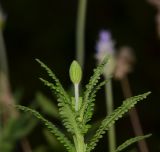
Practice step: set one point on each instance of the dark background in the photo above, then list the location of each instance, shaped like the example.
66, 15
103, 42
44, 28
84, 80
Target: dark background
46, 30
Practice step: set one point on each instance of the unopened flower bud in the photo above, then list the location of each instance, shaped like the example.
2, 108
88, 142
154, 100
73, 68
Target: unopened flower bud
75, 72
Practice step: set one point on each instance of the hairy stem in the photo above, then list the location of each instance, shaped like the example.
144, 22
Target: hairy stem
109, 107
80, 31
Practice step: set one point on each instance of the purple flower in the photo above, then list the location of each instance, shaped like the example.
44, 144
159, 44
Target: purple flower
105, 46
104, 36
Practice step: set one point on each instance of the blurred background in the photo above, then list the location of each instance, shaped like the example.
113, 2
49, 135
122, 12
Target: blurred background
47, 30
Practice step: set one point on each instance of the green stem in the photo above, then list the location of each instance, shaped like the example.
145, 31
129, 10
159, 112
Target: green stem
80, 31
109, 106
79, 143
76, 90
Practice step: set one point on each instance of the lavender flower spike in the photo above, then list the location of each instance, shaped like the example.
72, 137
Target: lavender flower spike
106, 46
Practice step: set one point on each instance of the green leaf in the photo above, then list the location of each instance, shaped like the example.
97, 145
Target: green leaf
22, 127
89, 110
64, 101
65, 109
112, 118
52, 128
57, 91
69, 119
47, 106
57, 84
130, 142
91, 85
50, 73
52, 141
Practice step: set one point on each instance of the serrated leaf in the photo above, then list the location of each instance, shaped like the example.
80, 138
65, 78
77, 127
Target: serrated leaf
112, 118
89, 110
69, 119
92, 83
63, 98
53, 76
130, 142
65, 110
52, 128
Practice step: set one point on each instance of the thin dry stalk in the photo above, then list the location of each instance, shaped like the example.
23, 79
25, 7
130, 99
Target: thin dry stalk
6, 96
125, 61
134, 116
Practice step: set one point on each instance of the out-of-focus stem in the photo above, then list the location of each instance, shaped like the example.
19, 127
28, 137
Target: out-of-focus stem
3, 58
6, 97
3, 68
26, 145
80, 31
109, 107
134, 116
